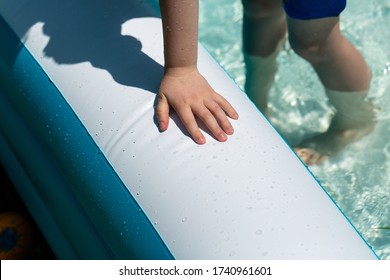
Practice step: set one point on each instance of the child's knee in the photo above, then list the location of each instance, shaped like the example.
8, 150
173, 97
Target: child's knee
308, 50
262, 8
312, 39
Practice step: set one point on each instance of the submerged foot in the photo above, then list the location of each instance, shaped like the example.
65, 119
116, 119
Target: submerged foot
309, 156
355, 118
319, 148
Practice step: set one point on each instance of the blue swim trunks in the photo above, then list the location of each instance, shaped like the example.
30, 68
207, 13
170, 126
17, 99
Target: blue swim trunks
313, 9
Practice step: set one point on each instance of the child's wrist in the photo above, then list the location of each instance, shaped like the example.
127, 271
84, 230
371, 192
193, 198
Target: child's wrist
179, 70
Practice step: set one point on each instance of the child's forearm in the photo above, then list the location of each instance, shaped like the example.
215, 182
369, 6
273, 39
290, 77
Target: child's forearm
182, 87
180, 30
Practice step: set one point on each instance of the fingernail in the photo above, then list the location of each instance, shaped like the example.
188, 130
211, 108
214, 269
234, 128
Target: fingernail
162, 125
222, 136
229, 130
201, 140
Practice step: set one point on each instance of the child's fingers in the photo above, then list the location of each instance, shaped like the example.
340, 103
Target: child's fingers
162, 112
188, 119
209, 119
220, 116
226, 106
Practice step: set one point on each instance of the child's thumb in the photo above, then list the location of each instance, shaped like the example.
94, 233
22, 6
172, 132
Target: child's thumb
162, 112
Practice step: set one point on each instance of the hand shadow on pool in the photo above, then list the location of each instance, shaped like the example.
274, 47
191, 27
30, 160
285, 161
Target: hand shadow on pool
90, 31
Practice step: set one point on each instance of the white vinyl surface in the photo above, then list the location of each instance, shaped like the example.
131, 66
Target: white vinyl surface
247, 198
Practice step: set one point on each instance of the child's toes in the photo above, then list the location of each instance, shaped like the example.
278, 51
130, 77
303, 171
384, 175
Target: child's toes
309, 156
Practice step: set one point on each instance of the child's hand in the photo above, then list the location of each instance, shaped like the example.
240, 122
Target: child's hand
191, 96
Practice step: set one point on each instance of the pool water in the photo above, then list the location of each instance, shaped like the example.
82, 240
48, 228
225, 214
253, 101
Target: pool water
358, 177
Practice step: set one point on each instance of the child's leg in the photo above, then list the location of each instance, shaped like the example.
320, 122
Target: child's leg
264, 27
345, 76
338, 63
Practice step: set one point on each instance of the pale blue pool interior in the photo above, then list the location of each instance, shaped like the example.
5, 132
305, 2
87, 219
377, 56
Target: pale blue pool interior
358, 177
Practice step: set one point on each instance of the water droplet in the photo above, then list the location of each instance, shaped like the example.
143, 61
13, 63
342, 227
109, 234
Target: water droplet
259, 232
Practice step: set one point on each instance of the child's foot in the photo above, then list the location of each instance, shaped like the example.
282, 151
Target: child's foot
321, 147
309, 156
342, 132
